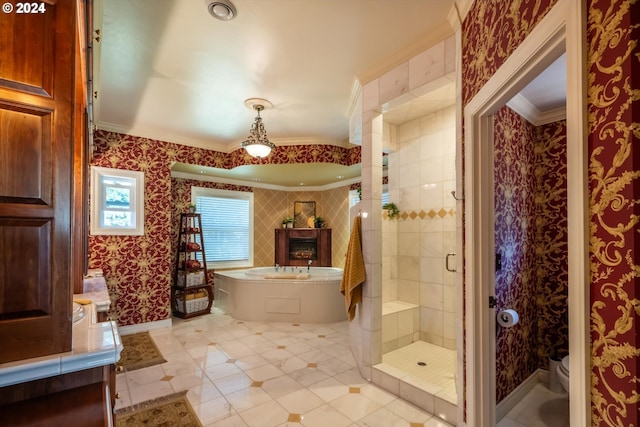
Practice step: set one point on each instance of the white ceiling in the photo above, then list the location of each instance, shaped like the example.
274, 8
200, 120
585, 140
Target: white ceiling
167, 70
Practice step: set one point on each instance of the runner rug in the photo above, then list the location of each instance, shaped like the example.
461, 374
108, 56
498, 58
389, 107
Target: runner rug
170, 411
139, 351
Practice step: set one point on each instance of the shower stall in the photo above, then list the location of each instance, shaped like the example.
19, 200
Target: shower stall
418, 252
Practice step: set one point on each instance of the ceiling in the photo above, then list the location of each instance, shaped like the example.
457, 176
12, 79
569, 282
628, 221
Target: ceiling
168, 70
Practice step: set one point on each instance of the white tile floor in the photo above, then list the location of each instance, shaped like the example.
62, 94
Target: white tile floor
260, 374
438, 370
540, 408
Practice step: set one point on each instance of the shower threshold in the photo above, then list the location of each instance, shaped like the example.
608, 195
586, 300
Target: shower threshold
423, 374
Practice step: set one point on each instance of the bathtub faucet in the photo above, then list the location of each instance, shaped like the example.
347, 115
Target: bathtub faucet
277, 266
309, 265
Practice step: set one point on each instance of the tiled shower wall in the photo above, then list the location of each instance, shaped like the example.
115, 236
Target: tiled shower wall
415, 245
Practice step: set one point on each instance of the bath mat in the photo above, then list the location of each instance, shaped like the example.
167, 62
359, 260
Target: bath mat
173, 410
139, 351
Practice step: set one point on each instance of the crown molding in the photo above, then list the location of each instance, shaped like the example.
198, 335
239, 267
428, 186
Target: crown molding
523, 107
208, 178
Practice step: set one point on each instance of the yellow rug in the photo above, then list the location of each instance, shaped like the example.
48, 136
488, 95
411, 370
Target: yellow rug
168, 411
139, 351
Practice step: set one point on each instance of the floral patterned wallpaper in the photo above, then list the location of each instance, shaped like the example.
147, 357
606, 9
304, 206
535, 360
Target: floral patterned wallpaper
531, 229
551, 245
514, 161
614, 185
490, 33
139, 269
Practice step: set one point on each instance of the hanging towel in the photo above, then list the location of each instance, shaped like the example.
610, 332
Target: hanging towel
354, 274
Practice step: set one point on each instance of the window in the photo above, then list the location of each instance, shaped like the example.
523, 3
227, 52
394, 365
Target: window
117, 202
227, 226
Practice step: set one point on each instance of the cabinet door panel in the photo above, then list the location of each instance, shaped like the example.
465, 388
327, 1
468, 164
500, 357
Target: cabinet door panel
36, 181
29, 64
25, 153
25, 292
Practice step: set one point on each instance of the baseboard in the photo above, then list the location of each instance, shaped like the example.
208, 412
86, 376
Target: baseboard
143, 327
509, 402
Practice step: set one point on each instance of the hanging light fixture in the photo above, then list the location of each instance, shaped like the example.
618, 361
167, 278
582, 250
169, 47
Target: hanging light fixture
257, 144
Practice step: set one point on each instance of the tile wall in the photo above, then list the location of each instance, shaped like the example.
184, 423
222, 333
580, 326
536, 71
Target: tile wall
272, 206
415, 245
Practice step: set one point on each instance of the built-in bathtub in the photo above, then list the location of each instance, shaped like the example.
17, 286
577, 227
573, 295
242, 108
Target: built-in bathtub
297, 294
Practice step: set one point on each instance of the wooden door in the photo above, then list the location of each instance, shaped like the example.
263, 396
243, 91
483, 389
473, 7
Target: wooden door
37, 89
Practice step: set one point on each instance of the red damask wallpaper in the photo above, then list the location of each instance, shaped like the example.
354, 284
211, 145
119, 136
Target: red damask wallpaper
491, 31
531, 230
614, 184
515, 235
551, 244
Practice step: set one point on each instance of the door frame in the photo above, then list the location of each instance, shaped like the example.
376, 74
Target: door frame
563, 29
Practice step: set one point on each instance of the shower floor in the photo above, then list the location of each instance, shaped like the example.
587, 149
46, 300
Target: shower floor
439, 367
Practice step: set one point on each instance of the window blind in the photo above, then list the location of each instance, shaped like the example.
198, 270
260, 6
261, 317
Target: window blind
225, 228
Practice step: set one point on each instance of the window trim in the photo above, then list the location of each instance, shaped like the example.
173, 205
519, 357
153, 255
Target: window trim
232, 194
97, 202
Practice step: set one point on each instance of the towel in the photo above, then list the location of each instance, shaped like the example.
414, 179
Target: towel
354, 274
299, 276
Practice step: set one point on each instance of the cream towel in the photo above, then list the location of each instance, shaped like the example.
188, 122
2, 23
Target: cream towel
294, 276
354, 274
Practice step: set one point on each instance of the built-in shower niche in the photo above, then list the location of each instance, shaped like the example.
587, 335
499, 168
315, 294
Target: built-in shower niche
296, 247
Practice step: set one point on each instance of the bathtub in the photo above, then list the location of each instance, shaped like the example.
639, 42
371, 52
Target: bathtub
293, 295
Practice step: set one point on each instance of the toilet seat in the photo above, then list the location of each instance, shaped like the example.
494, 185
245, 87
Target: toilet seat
564, 365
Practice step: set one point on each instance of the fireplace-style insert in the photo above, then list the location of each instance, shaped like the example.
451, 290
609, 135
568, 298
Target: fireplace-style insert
303, 249
299, 246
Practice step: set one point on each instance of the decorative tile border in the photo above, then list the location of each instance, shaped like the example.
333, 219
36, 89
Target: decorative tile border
421, 214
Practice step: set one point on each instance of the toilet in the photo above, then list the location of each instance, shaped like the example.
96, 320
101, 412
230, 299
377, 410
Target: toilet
563, 373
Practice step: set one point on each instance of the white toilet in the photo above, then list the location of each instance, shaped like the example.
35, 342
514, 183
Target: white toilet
563, 373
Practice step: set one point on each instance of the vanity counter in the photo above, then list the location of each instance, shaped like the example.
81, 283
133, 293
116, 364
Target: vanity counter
94, 344
94, 288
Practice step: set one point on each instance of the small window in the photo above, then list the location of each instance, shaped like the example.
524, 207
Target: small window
117, 202
227, 226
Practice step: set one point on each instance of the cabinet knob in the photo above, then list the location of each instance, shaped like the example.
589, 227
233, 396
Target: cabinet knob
120, 368
118, 395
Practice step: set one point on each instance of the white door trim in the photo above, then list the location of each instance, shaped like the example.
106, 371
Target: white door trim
562, 29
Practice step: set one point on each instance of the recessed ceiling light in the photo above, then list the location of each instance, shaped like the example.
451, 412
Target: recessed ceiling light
223, 10
339, 176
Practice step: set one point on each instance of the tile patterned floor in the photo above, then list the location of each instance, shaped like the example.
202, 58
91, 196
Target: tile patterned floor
258, 374
540, 408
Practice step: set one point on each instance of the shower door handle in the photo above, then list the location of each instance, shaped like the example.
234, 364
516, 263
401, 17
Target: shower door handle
446, 263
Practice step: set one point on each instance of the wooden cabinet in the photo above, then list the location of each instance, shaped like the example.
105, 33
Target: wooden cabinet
44, 145
298, 246
41, 181
191, 294
80, 398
